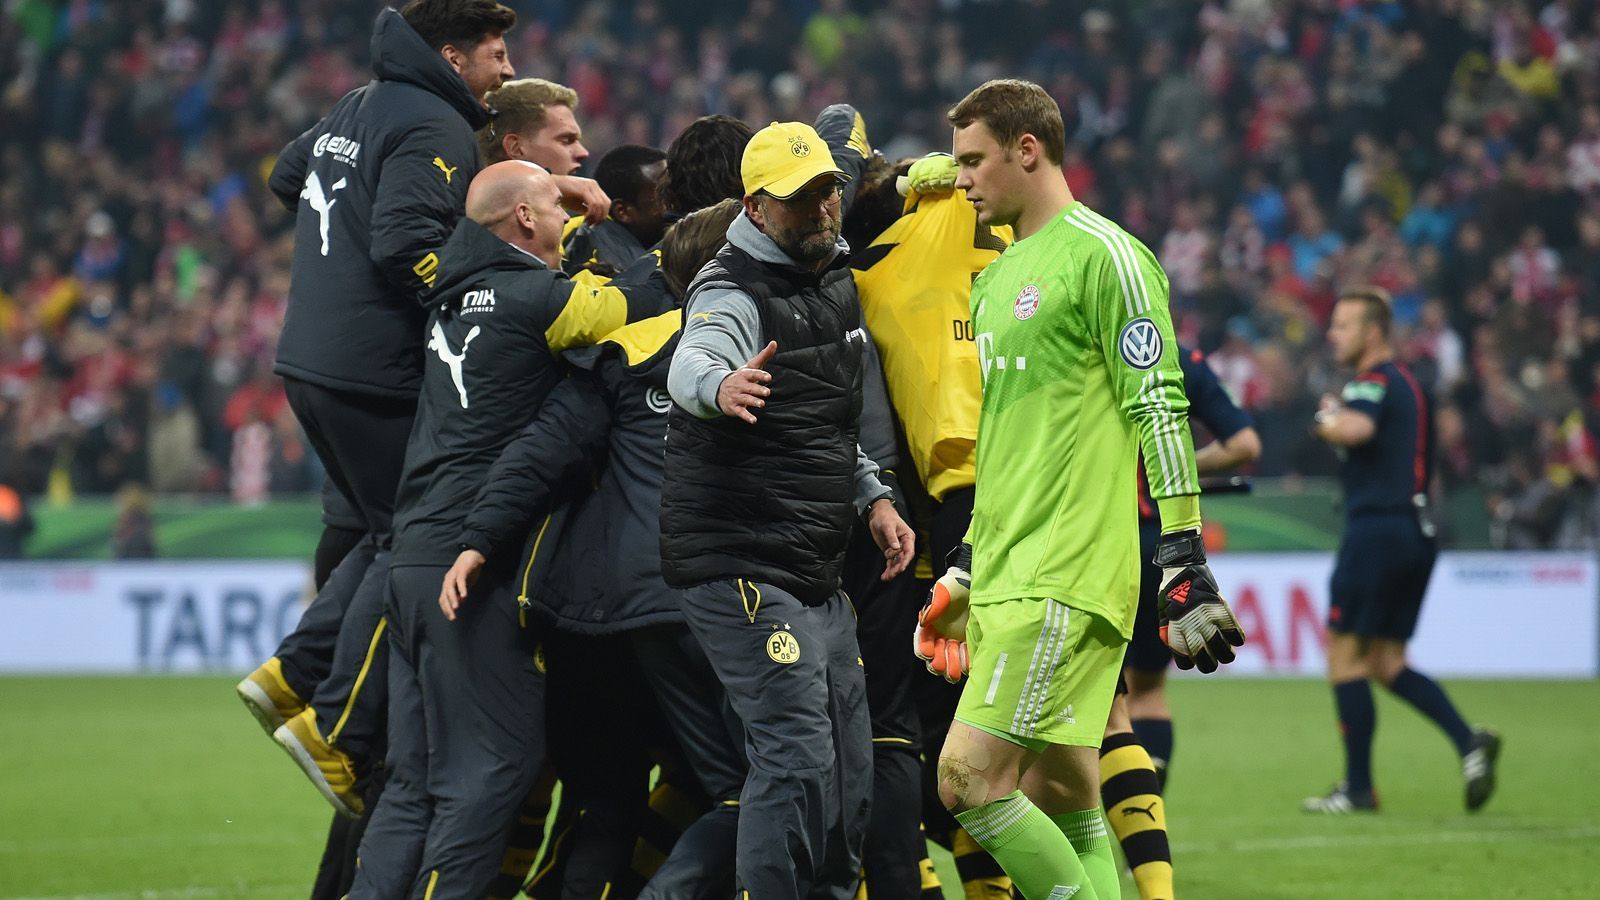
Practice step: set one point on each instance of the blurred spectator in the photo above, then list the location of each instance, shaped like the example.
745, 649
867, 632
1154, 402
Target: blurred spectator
1314, 245
176, 463
1429, 222
134, 534
1184, 252
1534, 267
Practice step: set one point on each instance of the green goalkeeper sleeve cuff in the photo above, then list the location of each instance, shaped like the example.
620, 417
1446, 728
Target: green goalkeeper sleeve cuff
1181, 513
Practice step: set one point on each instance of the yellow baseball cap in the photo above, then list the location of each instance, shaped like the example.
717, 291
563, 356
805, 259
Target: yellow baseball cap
783, 157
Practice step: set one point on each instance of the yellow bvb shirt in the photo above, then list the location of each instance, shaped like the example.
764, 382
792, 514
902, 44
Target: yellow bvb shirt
915, 282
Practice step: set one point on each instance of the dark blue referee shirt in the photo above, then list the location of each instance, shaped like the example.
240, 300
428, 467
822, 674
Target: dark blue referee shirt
1383, 474
1209, 404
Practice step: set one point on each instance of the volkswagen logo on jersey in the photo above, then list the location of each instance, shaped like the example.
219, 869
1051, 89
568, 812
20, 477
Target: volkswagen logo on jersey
1027, 303
1140, 343
658, 401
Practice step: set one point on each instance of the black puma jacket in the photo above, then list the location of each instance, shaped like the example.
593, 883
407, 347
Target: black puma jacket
376, 188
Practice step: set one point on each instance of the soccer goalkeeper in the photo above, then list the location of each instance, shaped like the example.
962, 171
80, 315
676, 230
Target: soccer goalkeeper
1080, 372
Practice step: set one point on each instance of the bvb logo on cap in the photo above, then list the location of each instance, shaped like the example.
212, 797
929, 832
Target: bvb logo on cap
799, 147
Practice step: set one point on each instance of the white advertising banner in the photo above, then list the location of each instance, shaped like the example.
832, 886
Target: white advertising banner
201, 616
1491, 615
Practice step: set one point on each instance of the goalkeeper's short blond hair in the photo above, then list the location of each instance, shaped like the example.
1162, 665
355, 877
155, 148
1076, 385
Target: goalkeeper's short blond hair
519, 107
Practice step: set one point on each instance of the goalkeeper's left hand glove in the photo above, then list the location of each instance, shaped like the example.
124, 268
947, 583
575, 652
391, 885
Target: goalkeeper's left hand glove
1195, 621
933, 174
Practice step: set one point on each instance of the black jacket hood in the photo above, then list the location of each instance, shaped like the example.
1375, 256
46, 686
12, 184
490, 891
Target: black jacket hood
400, 54
472, 253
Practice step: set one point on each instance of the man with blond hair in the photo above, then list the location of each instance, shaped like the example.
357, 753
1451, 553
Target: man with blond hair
536, 121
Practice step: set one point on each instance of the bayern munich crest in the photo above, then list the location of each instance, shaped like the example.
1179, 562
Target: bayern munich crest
1027, 303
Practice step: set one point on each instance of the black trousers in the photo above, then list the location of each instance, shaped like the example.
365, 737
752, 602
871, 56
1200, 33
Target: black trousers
685, 685
466, 738
342, 529
307, 656
794, 676
361, 441
895, 846
307, 652
604, 732
336, 656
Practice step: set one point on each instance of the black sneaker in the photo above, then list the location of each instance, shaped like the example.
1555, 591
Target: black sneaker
1477, 767
1342, 800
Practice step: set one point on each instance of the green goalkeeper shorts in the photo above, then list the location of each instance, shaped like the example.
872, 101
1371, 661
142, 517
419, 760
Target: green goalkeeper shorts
1040, 672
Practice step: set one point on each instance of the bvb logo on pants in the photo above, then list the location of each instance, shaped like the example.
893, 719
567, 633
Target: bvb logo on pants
783, 648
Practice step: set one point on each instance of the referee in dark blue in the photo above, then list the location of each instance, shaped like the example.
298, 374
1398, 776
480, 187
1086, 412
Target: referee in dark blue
1382, 426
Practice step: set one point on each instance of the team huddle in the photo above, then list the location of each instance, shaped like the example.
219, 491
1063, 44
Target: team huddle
706, 480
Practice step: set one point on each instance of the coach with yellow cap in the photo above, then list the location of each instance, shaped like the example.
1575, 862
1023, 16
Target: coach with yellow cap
764, 481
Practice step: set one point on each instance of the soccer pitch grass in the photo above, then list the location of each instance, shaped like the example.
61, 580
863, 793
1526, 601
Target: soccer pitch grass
165, 788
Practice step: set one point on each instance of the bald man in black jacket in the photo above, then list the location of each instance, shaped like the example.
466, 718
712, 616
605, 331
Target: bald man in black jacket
466, 691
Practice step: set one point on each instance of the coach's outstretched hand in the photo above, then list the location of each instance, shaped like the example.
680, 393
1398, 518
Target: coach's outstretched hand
940, 640
1196, 623
461, 576
744, 391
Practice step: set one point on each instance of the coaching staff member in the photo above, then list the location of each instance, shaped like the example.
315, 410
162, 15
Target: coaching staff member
466, 717
376, 188
764, 480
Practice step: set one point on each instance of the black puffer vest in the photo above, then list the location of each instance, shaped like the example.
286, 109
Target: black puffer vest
773, 502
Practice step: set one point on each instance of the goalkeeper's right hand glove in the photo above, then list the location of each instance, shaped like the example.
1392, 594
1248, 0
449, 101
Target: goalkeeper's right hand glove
1196, 623
933, 174
941, 635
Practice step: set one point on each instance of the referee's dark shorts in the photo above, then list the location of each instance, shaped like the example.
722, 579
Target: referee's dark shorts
1380, 575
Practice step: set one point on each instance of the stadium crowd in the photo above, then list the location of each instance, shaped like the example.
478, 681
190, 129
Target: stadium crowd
1269, 152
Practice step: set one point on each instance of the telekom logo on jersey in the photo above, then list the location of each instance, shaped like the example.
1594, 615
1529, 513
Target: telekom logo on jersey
990, 361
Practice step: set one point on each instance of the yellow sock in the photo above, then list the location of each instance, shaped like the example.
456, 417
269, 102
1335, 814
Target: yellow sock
981, 877
1137, 814
671, 811
522, 847
931, 888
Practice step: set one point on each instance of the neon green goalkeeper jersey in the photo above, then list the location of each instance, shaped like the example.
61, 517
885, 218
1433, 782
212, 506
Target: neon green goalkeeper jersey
1080, 371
